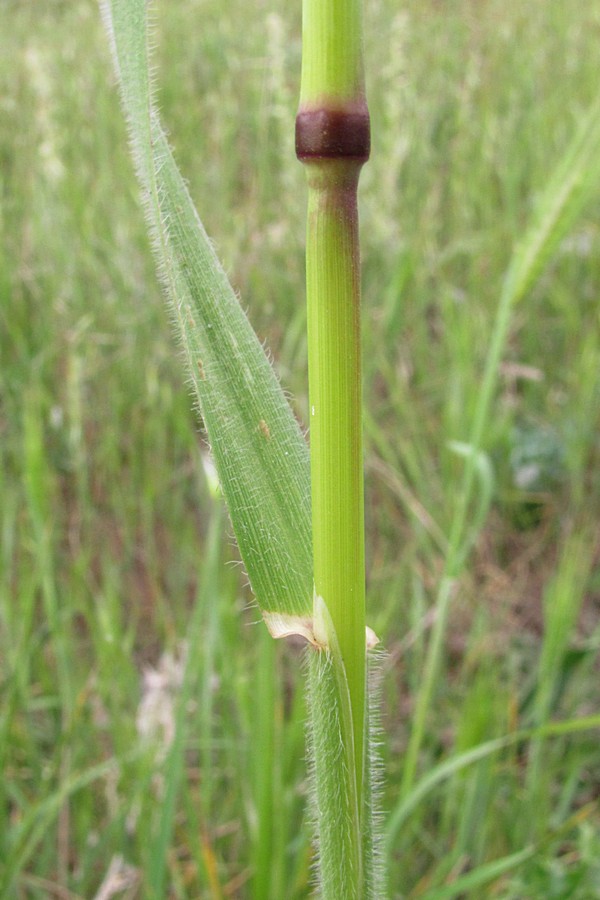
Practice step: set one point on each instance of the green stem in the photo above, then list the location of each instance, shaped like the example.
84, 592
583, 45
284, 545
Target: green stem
333, 296
332, 67
332, 139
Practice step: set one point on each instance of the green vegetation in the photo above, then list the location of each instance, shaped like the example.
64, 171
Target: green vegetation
114, 548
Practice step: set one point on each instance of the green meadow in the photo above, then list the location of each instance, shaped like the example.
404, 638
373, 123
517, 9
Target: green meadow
152, 736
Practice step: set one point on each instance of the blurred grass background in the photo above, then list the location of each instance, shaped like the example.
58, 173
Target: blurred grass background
146, 750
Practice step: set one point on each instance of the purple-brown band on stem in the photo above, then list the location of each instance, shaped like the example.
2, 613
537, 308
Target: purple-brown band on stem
333, 134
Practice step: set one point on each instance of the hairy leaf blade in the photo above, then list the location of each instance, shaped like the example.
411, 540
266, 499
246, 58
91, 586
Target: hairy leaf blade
260, 453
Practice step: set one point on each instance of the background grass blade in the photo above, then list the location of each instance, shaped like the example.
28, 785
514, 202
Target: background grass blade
567, 190
562, 607
482, 875
489, 872
39, 818
174, 765
260, 454
449, 767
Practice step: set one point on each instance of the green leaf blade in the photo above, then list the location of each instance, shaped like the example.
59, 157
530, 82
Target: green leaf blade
260, 453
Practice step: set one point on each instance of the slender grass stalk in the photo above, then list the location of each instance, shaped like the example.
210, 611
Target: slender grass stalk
335, 417
333, 141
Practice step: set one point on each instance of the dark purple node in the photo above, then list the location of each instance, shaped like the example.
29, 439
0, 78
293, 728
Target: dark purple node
333, 134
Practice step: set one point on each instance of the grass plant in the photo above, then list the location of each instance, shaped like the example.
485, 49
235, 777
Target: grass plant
112, 543
259, 453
